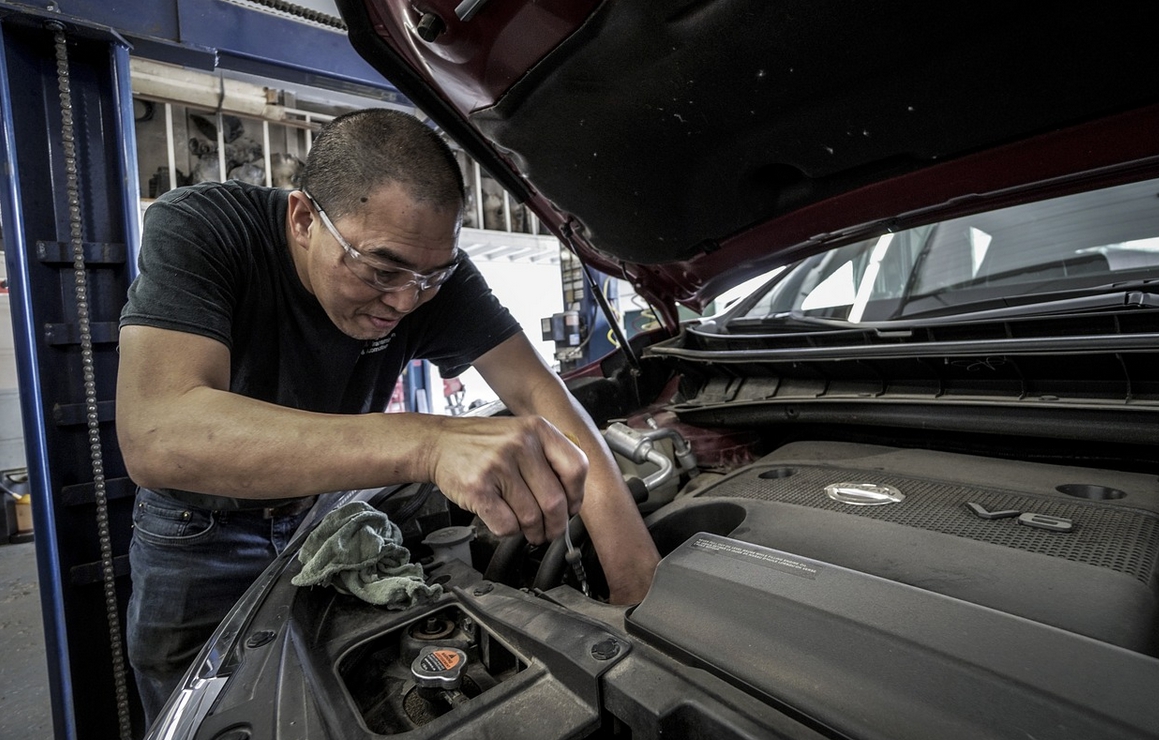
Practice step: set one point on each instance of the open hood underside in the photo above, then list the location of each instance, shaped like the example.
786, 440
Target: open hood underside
688, 146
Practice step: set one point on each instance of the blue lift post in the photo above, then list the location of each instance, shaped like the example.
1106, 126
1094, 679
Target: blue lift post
69, 209
41, 232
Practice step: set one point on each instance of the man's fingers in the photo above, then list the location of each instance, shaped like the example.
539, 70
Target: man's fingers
524, 501
546, 503
497, 515
507, 505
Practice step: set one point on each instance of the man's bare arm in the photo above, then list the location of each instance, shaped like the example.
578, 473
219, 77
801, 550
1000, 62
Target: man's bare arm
517, 373
180, 427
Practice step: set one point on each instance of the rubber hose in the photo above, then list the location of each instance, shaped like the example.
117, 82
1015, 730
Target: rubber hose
507, 555
554, 564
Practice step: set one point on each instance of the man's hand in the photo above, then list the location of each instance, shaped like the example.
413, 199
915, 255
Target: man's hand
518, 474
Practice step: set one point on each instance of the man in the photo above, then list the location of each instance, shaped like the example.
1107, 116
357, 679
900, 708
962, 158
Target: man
265, 327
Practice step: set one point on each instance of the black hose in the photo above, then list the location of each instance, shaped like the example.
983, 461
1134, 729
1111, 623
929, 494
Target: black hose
638, 489
503, 565
551, 568
554, 563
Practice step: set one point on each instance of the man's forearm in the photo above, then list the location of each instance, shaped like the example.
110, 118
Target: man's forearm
625, 548
220, 443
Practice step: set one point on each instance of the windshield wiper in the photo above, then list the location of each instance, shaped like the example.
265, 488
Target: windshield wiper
1135, 294
790, 319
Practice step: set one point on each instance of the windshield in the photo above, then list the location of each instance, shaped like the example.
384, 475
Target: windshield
1076, 242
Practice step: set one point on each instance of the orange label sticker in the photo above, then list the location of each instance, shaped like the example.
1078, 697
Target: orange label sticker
447, 659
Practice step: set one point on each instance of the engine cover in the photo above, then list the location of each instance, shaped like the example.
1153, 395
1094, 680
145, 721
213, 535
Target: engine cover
854, 655
1068, 547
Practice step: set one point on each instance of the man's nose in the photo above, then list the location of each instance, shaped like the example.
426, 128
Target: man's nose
405, 300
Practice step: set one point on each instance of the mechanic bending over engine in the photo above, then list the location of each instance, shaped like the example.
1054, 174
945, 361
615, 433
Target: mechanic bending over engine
265, 332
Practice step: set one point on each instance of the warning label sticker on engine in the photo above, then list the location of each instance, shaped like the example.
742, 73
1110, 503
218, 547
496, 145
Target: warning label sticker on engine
740, 551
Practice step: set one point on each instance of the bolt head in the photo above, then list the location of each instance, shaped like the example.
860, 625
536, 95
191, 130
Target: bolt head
606, 649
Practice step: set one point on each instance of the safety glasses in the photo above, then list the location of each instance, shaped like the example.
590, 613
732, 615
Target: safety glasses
380, 274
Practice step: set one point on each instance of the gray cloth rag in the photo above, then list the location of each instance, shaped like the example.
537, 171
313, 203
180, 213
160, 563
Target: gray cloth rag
359, 551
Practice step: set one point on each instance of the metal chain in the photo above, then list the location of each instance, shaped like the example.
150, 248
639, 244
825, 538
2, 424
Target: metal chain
80, 279
309, 14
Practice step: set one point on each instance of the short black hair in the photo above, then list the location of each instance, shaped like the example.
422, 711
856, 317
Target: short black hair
357, 153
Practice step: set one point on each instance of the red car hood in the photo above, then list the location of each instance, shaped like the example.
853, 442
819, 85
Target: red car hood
687, 146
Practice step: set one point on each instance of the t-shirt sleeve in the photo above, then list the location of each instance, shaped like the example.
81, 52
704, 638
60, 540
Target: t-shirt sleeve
465, 322
187, 280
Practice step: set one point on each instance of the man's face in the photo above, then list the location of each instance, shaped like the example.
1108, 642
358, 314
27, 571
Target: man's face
388, 240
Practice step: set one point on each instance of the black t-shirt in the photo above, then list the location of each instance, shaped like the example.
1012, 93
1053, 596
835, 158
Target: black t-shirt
214, 262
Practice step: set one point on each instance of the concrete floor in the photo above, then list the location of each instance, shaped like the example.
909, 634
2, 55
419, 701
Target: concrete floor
25, 709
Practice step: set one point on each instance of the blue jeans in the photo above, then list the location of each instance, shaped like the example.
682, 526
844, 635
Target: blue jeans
189, 566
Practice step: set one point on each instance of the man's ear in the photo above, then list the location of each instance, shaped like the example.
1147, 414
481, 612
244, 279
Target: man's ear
299, 218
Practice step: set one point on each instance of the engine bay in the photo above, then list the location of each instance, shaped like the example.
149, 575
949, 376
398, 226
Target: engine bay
808, 588
823, 589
